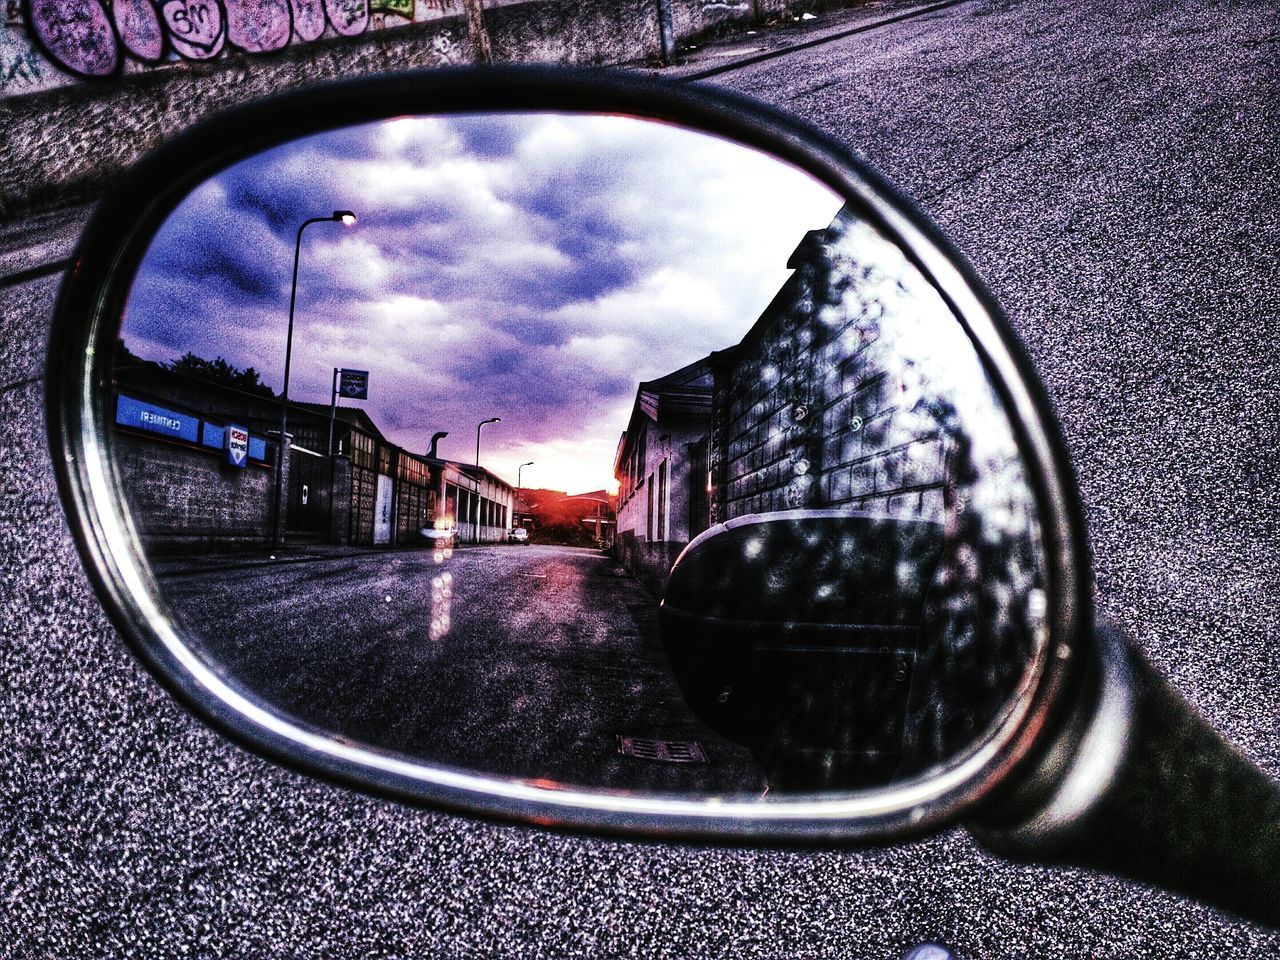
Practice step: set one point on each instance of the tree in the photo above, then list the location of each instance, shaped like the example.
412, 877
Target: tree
221, 372
126, 358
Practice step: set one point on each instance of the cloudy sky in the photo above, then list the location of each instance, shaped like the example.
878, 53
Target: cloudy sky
534, 268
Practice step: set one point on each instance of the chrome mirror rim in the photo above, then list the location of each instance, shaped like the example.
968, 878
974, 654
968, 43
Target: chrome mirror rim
83, 335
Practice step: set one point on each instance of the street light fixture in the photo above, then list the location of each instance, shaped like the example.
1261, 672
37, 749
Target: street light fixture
478, 426
520, 482
348, 219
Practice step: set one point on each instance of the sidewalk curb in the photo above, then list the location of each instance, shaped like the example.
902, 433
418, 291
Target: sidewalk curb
252, 564
179, 572
839, 34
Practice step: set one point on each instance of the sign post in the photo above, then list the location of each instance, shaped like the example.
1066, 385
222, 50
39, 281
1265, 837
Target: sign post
352, 384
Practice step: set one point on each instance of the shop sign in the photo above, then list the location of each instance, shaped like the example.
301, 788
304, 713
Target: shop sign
353, 384
237, 445
214, 436
156, 419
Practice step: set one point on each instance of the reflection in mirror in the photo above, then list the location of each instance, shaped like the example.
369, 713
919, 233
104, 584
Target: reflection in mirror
583, 450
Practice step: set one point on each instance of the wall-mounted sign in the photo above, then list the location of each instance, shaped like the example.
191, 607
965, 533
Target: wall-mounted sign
212, 435
237, 445
153, 418
353, 384
156, 419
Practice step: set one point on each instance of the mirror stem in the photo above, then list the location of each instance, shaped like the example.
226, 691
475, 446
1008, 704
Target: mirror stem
1139, 785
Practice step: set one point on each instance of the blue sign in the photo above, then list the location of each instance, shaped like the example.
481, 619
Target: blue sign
212, 435
353, 384
156, 419
237, 445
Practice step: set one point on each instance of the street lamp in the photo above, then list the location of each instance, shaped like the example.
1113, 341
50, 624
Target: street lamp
478, 426
347, 219
520, 482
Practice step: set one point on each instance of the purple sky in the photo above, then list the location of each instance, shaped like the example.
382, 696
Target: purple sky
534, 268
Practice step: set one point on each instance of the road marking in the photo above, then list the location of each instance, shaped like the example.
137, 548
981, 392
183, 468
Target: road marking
536, 576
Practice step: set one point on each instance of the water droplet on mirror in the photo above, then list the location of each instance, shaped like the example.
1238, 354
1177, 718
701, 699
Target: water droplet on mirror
1037, 604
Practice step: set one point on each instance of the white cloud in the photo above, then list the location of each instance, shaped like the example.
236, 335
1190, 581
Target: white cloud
537, 277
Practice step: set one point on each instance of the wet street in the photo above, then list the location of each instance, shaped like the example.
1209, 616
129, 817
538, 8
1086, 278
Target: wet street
527, 661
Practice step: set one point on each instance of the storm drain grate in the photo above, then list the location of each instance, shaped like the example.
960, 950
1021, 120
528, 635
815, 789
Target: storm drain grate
662, 751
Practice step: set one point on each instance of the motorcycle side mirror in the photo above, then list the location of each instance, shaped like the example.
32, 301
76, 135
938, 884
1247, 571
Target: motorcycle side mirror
771, 537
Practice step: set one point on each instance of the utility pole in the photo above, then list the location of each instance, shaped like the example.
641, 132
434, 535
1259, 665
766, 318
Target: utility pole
519, 489
478, 426
346, 218
477, 32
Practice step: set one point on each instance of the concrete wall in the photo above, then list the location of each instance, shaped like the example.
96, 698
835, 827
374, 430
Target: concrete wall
650, 558
185, 498
695, 19
813, 409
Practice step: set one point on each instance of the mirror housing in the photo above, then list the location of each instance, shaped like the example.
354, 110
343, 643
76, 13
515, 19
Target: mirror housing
94, 298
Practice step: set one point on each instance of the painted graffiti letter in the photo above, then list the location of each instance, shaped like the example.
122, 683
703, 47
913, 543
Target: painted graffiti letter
139, 27
308, 18
259, 25
76, 34
349, 17
197, 28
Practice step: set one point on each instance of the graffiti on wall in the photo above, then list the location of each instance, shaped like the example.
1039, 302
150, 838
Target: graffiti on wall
49, 43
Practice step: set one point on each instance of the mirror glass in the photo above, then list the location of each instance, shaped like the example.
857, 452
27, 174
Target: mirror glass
587, 451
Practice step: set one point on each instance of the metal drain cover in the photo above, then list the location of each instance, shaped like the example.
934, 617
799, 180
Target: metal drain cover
662, 751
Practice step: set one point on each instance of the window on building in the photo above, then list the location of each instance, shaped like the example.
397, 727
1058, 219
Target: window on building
649, 519
662, 500
362, 450
413, 470
642, 454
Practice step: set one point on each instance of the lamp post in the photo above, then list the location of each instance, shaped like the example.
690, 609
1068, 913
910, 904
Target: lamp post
520, 482
348, 219
478, 426
476, 517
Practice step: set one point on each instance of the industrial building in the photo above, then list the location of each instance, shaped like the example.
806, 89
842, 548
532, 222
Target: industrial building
803, 412
197, 460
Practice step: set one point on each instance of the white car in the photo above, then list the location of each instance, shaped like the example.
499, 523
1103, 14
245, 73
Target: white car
441, 533
518, 535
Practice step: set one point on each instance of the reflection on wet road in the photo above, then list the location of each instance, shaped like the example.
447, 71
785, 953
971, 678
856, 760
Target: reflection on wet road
526, 661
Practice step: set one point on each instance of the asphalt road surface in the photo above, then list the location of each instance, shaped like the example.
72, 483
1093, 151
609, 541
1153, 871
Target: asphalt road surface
520, 661
1111, 171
